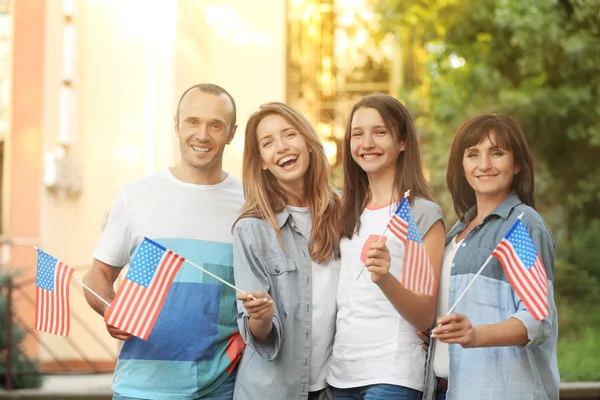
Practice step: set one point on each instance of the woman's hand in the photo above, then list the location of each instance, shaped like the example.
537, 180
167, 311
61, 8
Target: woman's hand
425, 338
378, 262
455, 328
259, 305
261, 308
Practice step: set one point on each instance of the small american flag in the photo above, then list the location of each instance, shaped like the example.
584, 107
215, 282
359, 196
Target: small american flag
524, 268
52, 309
143, 292
417, 274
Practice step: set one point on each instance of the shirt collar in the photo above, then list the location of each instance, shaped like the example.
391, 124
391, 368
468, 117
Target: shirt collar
282, 217
503, 210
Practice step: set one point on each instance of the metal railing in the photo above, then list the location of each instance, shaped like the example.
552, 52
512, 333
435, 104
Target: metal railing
11, 290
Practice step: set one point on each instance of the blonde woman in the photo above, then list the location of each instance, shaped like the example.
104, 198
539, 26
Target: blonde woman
286, 254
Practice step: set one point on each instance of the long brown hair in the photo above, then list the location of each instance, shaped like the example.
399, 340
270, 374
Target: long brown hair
509, 136
409, 171
265, 197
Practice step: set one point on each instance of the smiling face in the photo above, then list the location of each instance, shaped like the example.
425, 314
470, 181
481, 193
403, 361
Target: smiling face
489, 168
283, 151
372, 145
204, 128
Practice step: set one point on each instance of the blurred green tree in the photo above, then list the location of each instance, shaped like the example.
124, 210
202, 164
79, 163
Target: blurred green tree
536, 60
20, 361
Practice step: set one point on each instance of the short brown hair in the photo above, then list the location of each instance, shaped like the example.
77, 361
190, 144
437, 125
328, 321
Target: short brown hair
409, 171
509, 136
210, 88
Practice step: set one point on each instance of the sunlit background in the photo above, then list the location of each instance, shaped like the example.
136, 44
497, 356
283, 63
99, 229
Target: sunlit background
88, 90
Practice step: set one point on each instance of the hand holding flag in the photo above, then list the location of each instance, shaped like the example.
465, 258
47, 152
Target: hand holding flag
523, 267
142, 294
417, 272
137, 303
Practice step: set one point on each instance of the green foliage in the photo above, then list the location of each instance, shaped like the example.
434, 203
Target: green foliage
576, 357
20, 362
536, 60
539, 62
578, 344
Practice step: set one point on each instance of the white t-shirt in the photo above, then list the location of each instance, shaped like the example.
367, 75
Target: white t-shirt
441, 358
324, 286
195, 340
162, 206
373, 343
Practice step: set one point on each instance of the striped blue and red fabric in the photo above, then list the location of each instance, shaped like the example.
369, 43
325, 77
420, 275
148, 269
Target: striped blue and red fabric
143, 292
52, 308
524, 269
417, 273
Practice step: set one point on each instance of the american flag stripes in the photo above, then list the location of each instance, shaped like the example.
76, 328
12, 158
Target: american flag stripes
52, 309
142, 294
524, 268
417, 273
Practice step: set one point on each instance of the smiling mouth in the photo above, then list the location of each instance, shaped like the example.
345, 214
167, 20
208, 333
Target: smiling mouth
287, 162
369, 156
486, 177
200, 149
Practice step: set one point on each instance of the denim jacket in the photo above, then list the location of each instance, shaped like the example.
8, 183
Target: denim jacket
275, 368
508, 372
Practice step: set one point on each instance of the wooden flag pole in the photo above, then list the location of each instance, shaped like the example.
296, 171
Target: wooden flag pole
216, 277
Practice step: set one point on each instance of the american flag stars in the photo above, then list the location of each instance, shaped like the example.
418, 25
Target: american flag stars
144, 264
140, 298
523, 245
413, 231
45, 271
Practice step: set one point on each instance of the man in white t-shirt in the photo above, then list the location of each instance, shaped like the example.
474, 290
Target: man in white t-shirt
190, 208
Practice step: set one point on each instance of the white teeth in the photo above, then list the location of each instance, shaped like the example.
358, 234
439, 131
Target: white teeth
200, 149
369, 156
286, 159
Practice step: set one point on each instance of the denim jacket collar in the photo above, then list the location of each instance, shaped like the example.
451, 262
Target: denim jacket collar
503, 211
284, 217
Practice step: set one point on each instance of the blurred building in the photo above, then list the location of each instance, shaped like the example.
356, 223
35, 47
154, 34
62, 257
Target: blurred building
88, 90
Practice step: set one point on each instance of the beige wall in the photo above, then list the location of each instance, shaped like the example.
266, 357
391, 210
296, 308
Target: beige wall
131, 68
24, 164
247, 49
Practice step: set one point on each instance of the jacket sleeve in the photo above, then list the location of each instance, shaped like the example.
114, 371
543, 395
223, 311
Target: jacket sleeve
251, 276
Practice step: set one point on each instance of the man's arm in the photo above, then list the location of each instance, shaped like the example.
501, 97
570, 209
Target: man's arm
101, 278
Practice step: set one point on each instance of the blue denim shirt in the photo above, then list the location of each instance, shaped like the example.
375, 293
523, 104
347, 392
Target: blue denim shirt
276, 368
511, 372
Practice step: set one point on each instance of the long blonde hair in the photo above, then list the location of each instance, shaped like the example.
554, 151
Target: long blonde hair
265, 197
